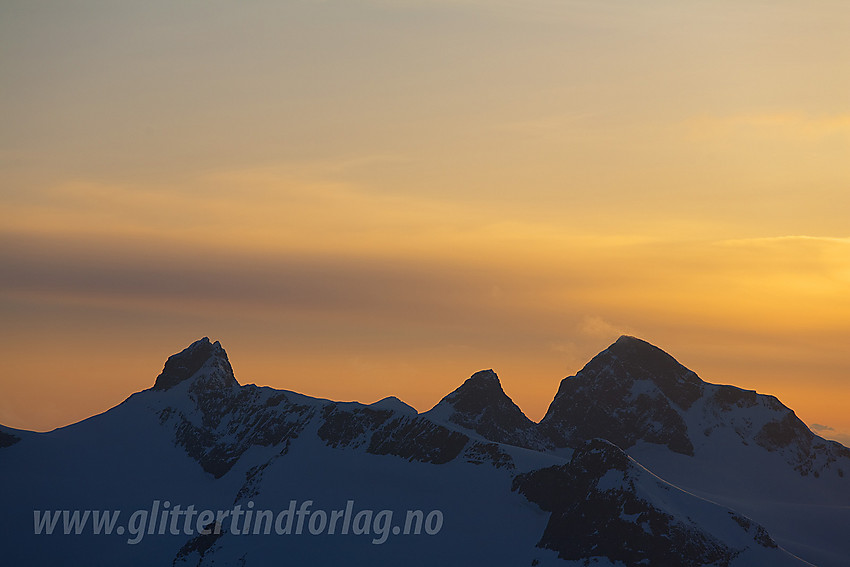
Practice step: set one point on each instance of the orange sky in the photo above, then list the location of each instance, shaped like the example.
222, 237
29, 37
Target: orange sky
372, 198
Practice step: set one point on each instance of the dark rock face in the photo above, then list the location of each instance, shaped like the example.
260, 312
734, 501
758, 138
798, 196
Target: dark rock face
253, 480
480, 453
616, 522
780, 434
244, 419
385, 433
378, 432
643, 361
350, 428
417, 439
760, 535
629, 392
729, 397
185, 364
198, 545
7, 439
221, 420
481, 405
807, 453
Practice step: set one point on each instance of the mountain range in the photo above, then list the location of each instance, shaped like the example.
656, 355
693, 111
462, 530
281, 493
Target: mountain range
637, 461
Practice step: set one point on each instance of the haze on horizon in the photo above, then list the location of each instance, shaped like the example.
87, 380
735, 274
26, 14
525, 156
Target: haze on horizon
378, 197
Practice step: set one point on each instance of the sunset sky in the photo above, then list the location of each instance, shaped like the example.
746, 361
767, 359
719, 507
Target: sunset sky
366, 198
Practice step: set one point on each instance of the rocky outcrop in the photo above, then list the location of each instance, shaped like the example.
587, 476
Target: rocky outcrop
631, 391
602, 504
188, 362
480, 405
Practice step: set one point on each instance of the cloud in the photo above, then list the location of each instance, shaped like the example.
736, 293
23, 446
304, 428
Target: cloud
132, 272
819, 427
461, 297
790, 239
794, 126
597, 327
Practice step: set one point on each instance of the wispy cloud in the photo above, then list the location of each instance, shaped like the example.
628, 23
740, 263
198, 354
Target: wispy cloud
791, 125
597, 327
790, 239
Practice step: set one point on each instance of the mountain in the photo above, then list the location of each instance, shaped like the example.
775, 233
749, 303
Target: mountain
629, 392
318, 482
732, 446
605, 504
633, 392
480, 406
197, 438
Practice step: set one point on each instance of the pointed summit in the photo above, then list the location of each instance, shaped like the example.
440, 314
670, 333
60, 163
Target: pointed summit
481, 405
200, 355
630, 391
631, 360
642, 361
481, 390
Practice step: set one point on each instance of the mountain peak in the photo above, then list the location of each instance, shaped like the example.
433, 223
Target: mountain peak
392, 403
479, 391
634, 359
481, 405
632, 390
188, 362
629, 339
648, 358
484, 379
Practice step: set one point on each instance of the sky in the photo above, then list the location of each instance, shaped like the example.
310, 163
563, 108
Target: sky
366, 198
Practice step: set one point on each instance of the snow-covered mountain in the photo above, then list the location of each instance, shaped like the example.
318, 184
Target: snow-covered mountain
633, 392
473, 481
480, 406
605, 504
733, 446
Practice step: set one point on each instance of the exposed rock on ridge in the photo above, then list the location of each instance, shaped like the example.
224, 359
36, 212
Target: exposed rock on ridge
185, 364
605, 505
629, 392
481, 405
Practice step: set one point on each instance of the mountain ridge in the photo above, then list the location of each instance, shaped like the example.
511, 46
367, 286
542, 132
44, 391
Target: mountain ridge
247, 442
